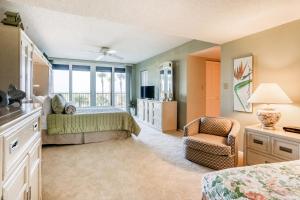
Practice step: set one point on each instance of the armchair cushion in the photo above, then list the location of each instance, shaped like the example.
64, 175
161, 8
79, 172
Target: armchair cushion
212, 144
215, 126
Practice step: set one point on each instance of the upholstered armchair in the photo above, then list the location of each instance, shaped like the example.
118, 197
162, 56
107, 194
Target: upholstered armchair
212, 142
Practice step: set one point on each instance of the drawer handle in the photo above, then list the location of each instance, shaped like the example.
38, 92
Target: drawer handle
35, 126
285, 149
258, 141
13, 146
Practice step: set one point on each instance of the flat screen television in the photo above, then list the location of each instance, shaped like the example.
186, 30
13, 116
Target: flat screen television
147, 92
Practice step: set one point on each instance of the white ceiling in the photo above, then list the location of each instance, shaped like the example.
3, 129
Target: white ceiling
70, 36
216, 21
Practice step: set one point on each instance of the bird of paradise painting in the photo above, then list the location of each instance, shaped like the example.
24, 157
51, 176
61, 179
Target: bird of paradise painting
242, 83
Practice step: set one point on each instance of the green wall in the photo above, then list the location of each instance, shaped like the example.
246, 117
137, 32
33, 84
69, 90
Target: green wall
276, 55
179, 57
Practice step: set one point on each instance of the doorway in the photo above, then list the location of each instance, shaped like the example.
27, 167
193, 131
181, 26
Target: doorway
203, 83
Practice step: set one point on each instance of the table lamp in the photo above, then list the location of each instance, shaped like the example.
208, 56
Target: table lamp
268, 93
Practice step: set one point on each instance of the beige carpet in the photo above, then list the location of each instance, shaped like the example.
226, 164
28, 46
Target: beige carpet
151, 166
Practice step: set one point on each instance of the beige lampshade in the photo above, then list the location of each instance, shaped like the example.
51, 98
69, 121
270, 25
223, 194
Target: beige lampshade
269, 93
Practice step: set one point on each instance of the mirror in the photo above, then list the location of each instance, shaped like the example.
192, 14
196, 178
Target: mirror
166, 82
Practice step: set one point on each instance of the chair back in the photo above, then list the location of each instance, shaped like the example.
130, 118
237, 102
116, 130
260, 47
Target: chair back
219, 126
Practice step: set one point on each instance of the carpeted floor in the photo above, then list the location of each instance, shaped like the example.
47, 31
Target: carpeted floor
151, 166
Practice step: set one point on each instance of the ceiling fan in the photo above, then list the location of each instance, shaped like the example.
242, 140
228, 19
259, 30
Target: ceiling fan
107, 52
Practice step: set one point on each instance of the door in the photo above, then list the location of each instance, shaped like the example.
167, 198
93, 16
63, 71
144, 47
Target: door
212, 88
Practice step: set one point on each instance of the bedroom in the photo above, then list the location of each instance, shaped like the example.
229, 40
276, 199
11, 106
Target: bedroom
101, 56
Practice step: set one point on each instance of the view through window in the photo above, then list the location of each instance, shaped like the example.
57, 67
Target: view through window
103, 86
81, 91
61, 80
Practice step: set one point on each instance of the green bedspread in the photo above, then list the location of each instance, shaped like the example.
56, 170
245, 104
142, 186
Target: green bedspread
91, 121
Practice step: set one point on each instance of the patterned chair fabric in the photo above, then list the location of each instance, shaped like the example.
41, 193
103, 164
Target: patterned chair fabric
212, 142
215, 126
209, 143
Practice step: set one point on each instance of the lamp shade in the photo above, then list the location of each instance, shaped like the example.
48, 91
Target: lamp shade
269, 93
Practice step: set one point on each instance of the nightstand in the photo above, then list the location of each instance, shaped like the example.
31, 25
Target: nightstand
268, 146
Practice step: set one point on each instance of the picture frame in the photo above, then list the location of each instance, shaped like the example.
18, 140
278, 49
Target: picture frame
242, 83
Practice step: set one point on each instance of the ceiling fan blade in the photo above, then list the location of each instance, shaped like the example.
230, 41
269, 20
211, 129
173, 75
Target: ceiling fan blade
116, 56
99, 57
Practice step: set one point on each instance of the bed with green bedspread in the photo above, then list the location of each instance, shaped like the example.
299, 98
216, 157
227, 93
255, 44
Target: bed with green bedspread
90, 120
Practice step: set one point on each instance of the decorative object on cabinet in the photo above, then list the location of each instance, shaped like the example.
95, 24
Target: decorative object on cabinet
15, 95
161, 115
3, 99
269, 93
269, 146
242, 83
13, 19
20, 149
166, 81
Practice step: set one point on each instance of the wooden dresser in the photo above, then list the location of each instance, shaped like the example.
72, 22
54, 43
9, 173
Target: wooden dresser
268, 146
20, 149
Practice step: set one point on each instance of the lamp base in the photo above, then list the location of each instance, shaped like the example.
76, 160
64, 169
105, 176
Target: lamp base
268, 117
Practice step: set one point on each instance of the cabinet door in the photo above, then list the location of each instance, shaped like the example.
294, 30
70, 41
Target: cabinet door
15, 187
140, 108
35, 172
151, 112
26, 66
157, 115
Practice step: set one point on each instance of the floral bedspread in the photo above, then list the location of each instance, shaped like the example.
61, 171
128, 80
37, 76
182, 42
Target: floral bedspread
259, 182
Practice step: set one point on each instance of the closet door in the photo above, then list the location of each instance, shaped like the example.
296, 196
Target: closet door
212, 89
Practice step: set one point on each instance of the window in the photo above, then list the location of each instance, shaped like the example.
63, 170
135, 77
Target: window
81, 82
103, 86
91, 85
120, 87
61, 80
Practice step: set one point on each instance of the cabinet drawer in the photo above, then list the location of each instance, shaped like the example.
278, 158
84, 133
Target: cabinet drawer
16, 143
35, 154
15, 187
285, 149
258, 142
254, 158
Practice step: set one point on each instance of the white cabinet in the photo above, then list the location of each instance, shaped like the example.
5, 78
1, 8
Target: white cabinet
158, 114
18, 55
268, 146
20, 139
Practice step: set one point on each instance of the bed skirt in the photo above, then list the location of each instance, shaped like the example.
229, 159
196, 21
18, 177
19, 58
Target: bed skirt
83, 138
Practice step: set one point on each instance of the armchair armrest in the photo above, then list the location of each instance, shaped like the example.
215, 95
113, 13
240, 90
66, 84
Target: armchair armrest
232, 137
192, 128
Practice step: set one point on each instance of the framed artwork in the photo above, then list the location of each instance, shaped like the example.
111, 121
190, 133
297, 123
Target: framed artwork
242, 83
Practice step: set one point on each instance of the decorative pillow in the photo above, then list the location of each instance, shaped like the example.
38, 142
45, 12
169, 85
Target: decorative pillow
70, 108
58, 103
215, 126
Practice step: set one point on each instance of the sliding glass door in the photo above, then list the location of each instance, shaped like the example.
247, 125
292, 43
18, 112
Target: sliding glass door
81, 82
120, 87
103, 86
61, 80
